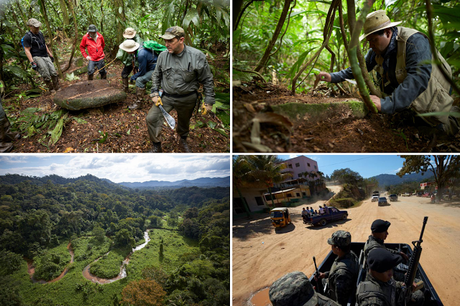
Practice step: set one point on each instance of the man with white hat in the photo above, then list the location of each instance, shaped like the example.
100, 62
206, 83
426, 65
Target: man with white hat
94, 42
407, 79
39, 56
128, 60
180, 71
146, 60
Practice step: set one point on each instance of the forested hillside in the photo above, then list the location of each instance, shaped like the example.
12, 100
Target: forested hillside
40, 216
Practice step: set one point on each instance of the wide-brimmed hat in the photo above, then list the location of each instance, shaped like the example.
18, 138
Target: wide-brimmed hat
172, 32
129, 33
34, 22
129, 45
375, 22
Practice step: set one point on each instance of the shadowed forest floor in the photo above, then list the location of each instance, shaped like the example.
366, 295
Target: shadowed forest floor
337, 132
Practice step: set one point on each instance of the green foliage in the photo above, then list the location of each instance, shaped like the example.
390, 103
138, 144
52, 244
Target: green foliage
9, 262
50, 264
109, 265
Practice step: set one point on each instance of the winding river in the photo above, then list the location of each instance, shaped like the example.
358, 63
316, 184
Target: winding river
122, 273
86, 273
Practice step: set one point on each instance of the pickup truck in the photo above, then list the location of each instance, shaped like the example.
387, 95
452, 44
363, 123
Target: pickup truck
332, 214
431, 297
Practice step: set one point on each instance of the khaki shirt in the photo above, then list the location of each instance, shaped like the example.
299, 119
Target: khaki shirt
181, 74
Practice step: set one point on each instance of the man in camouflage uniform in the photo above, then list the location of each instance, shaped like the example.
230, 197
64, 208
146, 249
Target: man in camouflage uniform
379, 288
295, 289
379, 230
343, 275
179, 72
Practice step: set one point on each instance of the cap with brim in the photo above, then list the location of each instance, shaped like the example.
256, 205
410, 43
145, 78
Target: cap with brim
375, 22
92, 28
129, 45
173, 32
129, 33
381, 260
34, 22
340, 238
380, 226
293, 289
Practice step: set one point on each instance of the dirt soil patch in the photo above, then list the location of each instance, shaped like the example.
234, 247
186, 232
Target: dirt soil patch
336, 132
261, 255
112, 128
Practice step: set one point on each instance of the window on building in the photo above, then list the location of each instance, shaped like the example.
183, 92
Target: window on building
259, 201
297, 165
315, 167
298, 195
308, 164
290, 166
289, 195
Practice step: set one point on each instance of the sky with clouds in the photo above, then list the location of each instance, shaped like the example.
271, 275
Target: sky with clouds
366, 165
118, 167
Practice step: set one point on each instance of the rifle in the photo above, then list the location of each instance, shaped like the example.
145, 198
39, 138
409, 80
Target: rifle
319, 283
413, 263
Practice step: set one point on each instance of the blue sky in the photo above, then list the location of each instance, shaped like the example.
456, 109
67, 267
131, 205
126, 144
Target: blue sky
366, 165
118, 167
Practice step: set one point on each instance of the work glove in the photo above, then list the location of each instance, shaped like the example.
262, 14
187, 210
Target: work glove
34, 66
207, 108
52, 59
88, 58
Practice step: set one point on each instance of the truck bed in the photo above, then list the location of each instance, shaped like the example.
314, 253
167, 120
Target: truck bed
431, 297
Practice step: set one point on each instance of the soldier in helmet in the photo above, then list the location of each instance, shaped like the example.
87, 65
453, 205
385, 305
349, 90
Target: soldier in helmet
295, 289
380, 288
343, 275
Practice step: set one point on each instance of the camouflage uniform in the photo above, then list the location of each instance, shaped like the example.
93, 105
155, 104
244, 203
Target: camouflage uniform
295, 289
373, 243
343, 275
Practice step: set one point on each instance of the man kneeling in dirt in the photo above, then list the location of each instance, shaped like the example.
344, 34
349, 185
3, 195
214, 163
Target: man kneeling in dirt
147, 61
295, 289
407, 79
39, 55
129, 63
179, 72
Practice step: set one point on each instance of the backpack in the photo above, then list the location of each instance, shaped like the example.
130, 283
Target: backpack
22, 41
154, 46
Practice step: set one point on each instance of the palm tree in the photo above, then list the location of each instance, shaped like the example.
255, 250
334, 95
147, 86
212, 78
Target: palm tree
265, 170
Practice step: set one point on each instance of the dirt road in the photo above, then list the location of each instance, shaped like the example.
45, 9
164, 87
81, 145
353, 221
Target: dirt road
261, 255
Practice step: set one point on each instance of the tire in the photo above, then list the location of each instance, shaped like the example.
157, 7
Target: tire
344, 217
322, 222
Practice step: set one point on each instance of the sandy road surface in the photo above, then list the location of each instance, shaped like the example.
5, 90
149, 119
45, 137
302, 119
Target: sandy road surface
261, 255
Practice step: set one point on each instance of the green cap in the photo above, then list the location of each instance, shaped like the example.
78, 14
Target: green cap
172, 32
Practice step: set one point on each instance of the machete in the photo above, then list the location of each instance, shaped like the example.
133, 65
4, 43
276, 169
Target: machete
169, 119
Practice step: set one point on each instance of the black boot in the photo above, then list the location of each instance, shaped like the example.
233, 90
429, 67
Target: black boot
125, 84
55, 82
183, 145
156, 148
104, 76
90, 77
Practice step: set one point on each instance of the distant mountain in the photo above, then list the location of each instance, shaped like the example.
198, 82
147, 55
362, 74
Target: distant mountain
204, 182
54, 179
392, 179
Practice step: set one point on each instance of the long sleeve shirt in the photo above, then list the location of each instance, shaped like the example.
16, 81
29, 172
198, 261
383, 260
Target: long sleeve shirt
127, 58
181, 74
400, 96
147, 61
95, 47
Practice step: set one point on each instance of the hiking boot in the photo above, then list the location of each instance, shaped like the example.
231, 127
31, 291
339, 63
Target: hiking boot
104, 76
184, 146
140, 92
156, 148
55, 82
5, 147
50, 86
125, 85
90, 77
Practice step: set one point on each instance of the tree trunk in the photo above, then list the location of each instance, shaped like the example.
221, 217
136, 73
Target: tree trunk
55, 54
65, 15
23, 16
279, 26
75, 35
352, 54
120, 18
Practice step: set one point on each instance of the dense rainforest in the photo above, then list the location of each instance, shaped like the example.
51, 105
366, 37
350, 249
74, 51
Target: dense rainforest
45, 127
185, 262
280, 46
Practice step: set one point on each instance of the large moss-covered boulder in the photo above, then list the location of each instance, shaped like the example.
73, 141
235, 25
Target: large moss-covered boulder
88, 94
